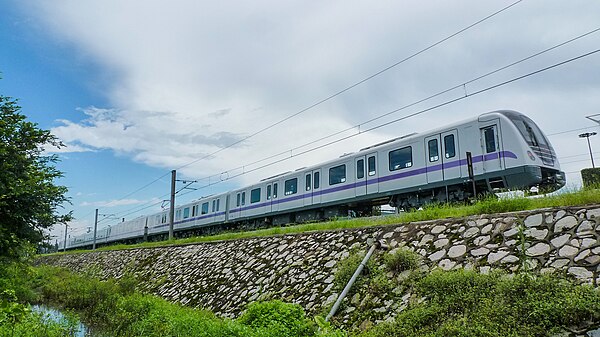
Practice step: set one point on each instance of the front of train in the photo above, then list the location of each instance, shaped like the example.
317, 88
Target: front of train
539, 151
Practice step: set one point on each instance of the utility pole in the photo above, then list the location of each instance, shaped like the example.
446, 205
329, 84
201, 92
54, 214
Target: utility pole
95, 229
588, 135
172, 206
65, 243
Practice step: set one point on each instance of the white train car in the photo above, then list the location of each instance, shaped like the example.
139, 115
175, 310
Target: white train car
507, 151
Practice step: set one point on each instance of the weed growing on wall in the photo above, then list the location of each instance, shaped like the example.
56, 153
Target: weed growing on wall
466, 303
386, 279
401, 260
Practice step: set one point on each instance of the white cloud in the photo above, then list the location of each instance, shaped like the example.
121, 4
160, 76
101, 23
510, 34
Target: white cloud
189, 78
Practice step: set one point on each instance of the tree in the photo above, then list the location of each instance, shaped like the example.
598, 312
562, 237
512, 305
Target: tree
29, 198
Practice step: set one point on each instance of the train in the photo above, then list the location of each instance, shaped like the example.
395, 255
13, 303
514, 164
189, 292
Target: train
495, 151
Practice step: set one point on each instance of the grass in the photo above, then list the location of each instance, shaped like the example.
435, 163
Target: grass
116, 308
432, 212
466, 303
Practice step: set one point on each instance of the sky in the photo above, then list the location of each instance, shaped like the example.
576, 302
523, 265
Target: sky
136, 89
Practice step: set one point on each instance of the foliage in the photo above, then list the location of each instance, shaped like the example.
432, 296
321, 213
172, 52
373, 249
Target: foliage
346, 268
590, 177
29, 199
401, 260
284, 319
16, 318
466, 303
116, 307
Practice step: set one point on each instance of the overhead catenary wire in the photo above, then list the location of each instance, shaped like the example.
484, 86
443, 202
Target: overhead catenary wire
389, 113
358, 126
348, 88
437, 106
328, 98
451, 101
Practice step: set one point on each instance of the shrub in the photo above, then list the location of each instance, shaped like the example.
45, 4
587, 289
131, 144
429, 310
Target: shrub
465, 303
401, 260
284, 319
347, 267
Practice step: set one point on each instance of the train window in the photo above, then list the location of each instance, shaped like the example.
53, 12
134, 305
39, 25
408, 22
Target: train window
401, 158
316, 182
360, 169
194, 210
268, 192
274, 190
433, 150
237, 204
490, 140
205, 208
164, 218
178, 214
255, 195
214, 206
371, 166
337, 174
186, 212
243, 198
308, 182
218, 204
450, 148
291, 186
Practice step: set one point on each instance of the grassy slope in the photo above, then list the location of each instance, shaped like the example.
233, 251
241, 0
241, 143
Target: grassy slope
433, 212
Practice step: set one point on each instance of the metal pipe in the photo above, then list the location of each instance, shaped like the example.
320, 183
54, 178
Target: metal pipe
361, 266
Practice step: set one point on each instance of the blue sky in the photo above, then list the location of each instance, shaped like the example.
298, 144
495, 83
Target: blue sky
137, 90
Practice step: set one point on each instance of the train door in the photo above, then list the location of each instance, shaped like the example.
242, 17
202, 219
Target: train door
372, 173
308, 189
360, 185
227, 208
433, 159
316, 192
450, 155
491, 147
276, 194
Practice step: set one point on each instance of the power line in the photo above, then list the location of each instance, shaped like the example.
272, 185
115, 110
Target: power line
332, 95
402, 108
394, 111
573, 130
353, 85
467, 95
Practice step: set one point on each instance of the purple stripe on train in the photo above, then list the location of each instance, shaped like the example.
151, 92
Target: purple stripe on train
405, 174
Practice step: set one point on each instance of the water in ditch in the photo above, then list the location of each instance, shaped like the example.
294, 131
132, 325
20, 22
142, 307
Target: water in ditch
52, 314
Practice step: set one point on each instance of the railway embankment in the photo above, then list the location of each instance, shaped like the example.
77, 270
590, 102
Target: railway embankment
225, 276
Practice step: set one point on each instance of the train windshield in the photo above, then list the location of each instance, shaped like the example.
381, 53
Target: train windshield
529, 130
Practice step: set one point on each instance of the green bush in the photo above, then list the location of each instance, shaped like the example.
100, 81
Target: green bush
283, 319
116, 307
591, 177
347, 267
401, 260
465, 303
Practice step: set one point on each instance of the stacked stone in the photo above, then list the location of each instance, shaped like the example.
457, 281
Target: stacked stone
564, 240
225, 276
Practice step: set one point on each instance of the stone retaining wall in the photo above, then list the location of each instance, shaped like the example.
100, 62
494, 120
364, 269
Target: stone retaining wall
225, 276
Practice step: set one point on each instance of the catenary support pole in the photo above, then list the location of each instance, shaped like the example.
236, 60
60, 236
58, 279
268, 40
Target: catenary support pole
172, 206
65, 243
95, 230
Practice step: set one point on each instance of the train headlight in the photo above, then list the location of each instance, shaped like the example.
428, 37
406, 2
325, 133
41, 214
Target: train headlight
531, 156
